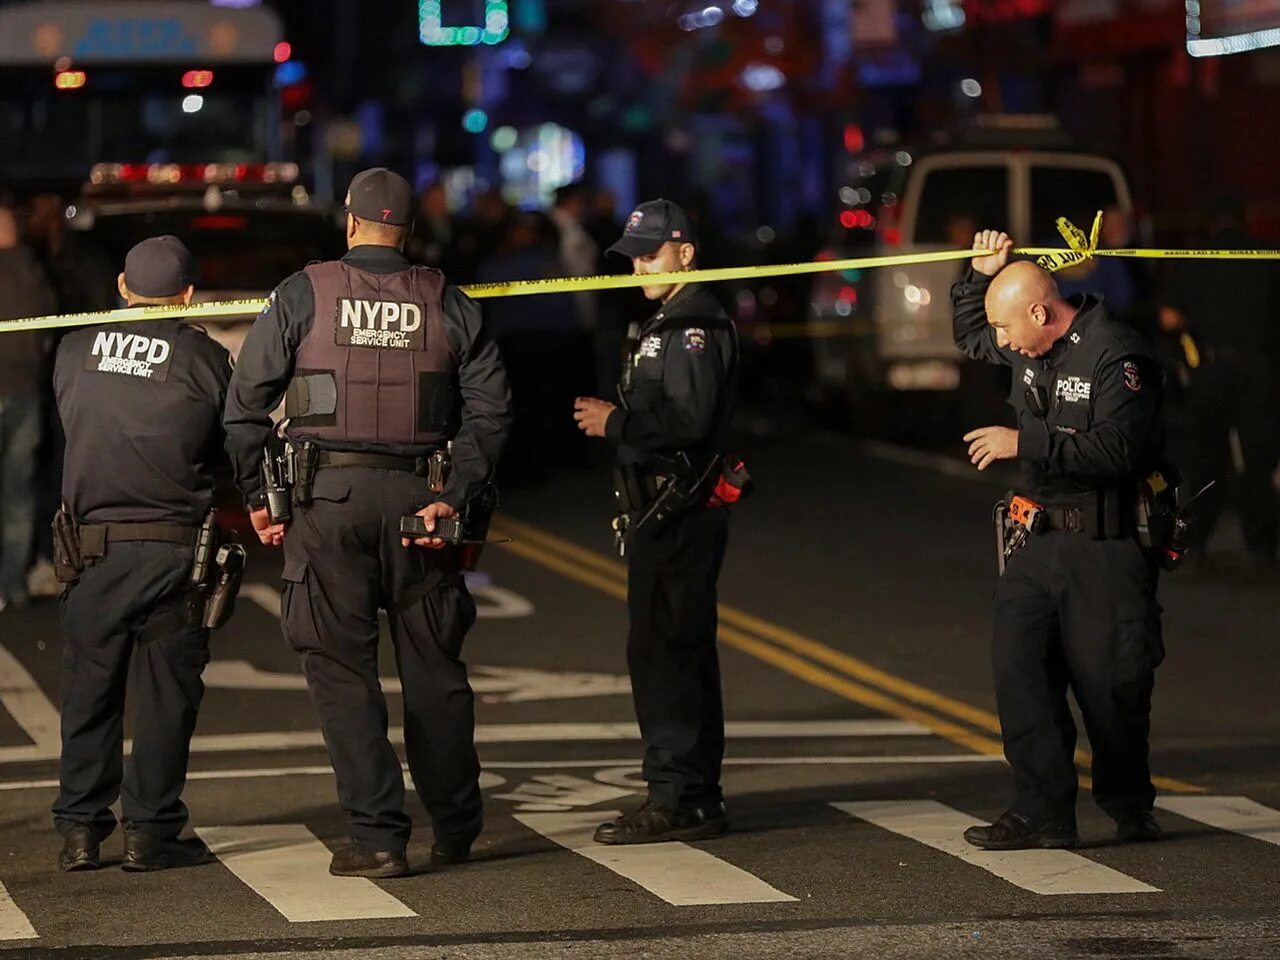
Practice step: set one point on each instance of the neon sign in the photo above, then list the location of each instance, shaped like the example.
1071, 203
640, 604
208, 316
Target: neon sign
433, 32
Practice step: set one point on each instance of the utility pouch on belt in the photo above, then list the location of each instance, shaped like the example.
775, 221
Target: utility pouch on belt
1164, 527
277, 483
68, 561
1016, 518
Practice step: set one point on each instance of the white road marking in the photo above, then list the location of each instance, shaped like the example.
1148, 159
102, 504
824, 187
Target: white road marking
1040, 871
27, 704
288, 867
14, 924
614, 763
560, 791
1236, 814
678, 873
492, 602
504, 684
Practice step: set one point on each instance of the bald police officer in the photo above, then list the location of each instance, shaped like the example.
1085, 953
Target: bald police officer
382, 365
671, 428
141, 403
1075, 606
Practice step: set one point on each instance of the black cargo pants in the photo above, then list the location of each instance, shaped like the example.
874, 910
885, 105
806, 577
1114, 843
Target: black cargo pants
1079, 613
344, 562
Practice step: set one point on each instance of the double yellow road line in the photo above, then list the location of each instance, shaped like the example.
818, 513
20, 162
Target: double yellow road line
793, 653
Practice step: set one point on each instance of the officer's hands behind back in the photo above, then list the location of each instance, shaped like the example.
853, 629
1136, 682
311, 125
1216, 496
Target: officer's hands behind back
430, 514
271, 534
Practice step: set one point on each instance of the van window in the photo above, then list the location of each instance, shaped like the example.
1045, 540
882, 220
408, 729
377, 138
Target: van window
1070, 192
956, 202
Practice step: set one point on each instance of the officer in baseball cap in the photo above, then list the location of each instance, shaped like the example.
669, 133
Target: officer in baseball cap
125, 543
383, 368
671, 428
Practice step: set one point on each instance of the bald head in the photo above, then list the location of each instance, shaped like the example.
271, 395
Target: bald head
1026, 309
1018, 286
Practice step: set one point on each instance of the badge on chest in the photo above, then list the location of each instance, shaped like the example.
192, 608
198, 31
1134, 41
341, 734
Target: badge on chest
650, 347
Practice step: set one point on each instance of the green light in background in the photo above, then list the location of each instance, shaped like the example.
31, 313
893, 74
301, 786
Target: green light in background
474, 121
433, 32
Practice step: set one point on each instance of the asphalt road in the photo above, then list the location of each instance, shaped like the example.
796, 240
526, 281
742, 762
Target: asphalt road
854, 638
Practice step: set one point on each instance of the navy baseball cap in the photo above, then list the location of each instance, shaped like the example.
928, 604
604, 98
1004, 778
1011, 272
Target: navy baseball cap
381, 195
652, 224
159, 267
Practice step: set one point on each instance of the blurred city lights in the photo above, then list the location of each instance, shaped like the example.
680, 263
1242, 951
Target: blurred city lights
745, 8
193, 103
282, 52
503, 139
475, 120
762, 77
970, 87
433, 32
197, 79
69, 80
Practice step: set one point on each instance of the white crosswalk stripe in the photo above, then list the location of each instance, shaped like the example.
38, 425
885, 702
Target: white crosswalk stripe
678, 873
14, 924
1235, 814
1040, 871
288, 867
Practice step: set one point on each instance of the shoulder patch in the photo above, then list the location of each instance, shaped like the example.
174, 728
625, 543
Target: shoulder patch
1132, 377
695, 340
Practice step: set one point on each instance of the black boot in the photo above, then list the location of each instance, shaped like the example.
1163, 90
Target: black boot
144, 853
449, 853
653, 824
355, 861
79, 850
1139, 826
1015, 832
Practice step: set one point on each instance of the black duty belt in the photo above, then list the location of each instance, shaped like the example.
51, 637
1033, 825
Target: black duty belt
373, 461
1077, 519
96, 537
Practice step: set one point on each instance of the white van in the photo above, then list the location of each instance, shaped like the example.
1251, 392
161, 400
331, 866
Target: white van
946, 198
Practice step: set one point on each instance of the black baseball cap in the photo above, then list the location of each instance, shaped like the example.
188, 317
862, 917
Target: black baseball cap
652, 224
381, 195
159, 267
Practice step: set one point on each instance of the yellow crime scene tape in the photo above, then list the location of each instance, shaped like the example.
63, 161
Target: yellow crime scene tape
1080, 247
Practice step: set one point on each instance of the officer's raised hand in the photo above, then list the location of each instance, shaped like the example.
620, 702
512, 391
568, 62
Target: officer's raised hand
431, 513
592, 414
271, 534
996, 240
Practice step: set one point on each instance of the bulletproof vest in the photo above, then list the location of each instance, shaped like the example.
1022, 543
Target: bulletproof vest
376, 366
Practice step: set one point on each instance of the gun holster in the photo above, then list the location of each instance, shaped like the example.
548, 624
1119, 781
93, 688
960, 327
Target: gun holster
217, 570
68, 558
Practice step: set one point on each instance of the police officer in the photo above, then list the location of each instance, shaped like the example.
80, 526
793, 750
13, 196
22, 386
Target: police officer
381, 365
1076, 604
141, 403
671, 427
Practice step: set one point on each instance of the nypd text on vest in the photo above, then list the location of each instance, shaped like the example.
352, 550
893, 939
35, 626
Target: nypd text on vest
131, 354
381, 324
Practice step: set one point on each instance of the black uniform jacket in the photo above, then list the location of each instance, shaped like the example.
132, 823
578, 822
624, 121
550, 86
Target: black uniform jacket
265, 367
1102, 389
677, 394
141, 404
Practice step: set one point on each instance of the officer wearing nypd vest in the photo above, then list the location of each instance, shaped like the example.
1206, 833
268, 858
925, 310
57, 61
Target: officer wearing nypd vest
1075, 605
141, 403
671, 426
382, 366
